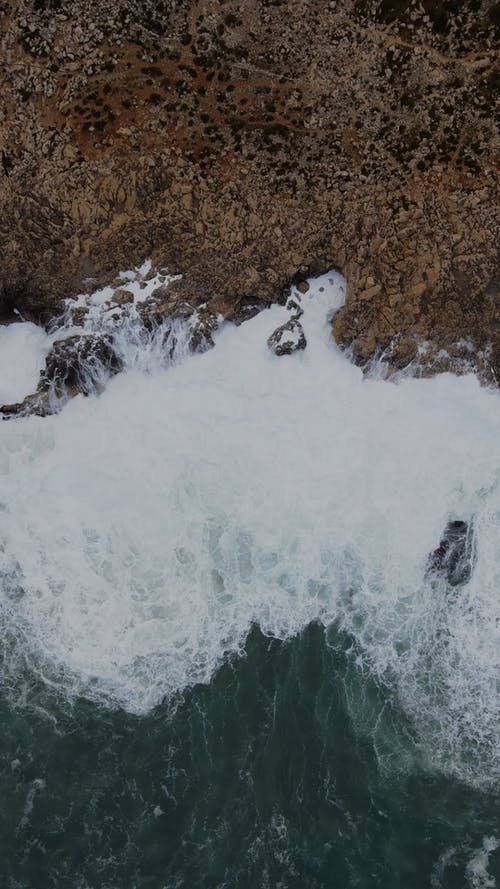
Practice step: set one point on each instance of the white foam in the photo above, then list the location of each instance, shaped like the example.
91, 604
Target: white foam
477, 869
144, 531
23, 347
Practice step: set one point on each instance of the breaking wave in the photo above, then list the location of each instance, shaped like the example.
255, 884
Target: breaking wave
144, 531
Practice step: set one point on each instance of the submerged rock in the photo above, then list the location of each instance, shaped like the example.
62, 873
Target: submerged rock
202, 332
455, 556
288, 338
78, 365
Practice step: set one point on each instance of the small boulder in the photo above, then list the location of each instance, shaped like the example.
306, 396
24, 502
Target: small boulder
288, 338
202, 333
295, 307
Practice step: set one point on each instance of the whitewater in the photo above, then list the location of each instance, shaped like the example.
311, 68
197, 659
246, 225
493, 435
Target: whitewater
145, 530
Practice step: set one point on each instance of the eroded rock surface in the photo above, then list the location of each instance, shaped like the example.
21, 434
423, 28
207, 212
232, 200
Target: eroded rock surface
288, 338
77, 365
244, 143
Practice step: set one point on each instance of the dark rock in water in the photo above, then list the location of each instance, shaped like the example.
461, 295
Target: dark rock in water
202, 333
295, 307
78, 365
245, 313
303, 286
122, 297
38, 405
455, 556
288, 338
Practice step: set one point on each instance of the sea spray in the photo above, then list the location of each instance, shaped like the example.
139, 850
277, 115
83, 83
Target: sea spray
143, 532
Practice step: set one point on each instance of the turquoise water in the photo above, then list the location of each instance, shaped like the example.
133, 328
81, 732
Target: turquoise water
289, 769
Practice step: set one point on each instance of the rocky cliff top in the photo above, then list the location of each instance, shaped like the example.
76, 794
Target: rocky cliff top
246, 143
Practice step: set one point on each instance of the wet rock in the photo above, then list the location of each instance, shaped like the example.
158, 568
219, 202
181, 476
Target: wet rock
78, 365
24, 300
174, 302
122, 297
203, 330
245, 313
38, 405
79, 315
168, 301
455, 556
288, 338
296, 309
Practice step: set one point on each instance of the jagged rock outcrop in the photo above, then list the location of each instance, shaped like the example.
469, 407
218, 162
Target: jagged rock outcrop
245, 143
455, 557
77, 365
288, 338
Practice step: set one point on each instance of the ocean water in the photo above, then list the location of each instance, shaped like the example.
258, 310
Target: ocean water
224, 662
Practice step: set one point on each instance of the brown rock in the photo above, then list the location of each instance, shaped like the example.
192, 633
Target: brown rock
354, 134
303, 286
288, 338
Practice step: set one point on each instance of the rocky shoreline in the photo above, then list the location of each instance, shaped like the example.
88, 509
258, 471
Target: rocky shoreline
90, 341
247, 145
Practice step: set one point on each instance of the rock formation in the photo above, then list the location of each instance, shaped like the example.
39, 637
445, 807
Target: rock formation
244, 144
77, 365
288, 338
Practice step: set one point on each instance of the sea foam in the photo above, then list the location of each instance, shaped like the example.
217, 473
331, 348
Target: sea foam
143, 532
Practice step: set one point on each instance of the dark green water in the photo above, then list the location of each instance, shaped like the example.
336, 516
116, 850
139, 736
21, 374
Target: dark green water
289, 770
